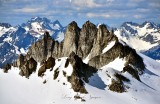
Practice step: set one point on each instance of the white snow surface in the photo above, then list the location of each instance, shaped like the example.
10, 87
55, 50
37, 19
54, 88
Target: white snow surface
15, 89
135, 40
23, 51
117, 64
3, 30
36, 28
56, 27
60, 37
109, 46
86, 60
158, 61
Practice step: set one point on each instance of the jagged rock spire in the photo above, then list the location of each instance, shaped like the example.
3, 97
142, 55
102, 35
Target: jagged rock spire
87, 35
71, 39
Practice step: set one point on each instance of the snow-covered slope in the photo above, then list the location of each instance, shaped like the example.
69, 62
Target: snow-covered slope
15, 89
37, 26
142, 37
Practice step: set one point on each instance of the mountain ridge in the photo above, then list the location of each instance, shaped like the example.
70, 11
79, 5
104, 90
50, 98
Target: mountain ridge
19, 38
90, 62
148, 40
46, 50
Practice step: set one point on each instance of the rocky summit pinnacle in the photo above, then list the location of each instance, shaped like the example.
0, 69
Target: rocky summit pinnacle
98, 46
71, 39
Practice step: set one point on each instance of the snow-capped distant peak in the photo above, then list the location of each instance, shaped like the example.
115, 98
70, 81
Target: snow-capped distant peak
6, 25
139, 36
22, 36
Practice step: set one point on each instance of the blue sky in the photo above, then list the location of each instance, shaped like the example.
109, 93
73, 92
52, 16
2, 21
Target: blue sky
111, 12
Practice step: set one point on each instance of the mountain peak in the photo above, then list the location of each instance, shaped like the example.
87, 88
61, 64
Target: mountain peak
88, 23
148, 25
130, 23
6, 25
39, 19
73, 24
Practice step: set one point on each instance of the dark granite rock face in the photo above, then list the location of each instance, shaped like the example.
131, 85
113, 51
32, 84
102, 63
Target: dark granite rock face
45, 48
81, 72
41, 49
50, 63
87, 35
20, 61
56, 73
57, 50
103, 59
42, 70
117, 86
6, 68
104, 37
28, 67
132, 71
71, 39
118, 50
32, 65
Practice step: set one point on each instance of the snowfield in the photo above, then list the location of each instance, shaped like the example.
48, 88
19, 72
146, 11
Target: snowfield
135, 42
15, 89
109, 46
139, 37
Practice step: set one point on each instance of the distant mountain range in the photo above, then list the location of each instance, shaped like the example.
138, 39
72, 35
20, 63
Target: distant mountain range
143, 37
15, 40
91, 65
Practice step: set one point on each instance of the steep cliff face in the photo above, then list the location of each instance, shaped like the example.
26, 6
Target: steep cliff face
103, 38
45, 48
71, 39
99, 45
81, 73
118, 50
87, 35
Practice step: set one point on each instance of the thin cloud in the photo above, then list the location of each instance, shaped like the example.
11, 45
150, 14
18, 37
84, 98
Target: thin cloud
137, 16
137, 0
86, 3
29, 10
105, 15
156, 5
92, 15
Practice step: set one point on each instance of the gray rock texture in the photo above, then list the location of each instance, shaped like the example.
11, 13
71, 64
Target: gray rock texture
77, 45
86, 39
71, 39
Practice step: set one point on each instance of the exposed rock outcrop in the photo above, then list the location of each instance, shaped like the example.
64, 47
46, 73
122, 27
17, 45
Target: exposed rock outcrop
87, 35
50, 63
28, 67
81, 72
118, 50
20, 61
77, 45
40, 49
71, 39
6, 68
117, 84
45, 48
104, 37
